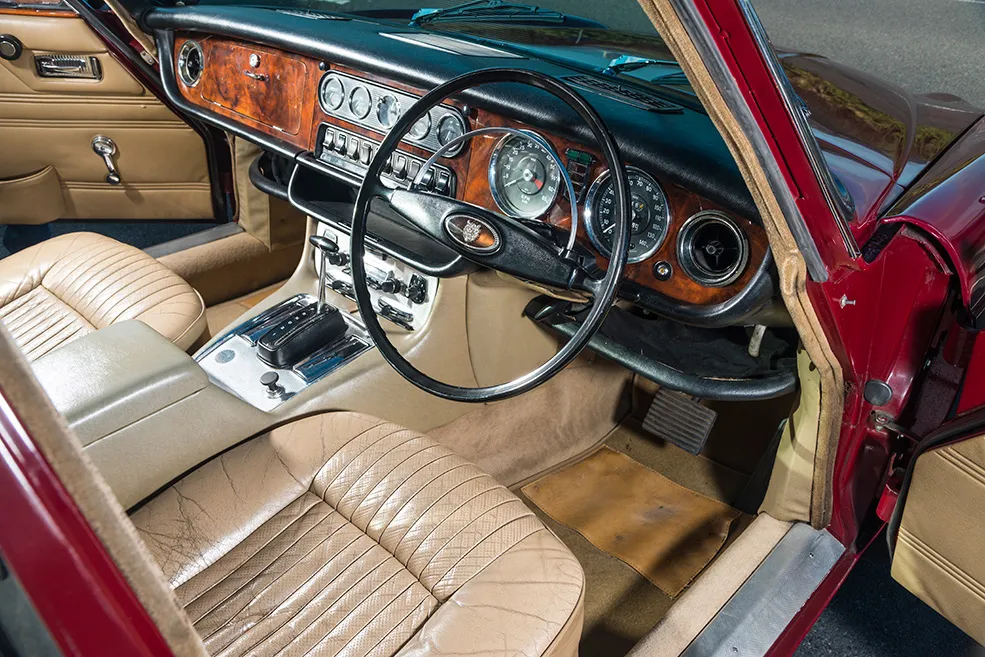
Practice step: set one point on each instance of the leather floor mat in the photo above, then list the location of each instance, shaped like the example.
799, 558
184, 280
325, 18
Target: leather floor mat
666, 532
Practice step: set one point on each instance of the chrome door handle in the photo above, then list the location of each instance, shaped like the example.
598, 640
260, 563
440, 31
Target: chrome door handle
106, 148
67, 66
256, 76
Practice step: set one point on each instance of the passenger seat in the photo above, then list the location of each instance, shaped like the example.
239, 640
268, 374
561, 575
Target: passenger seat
68, 286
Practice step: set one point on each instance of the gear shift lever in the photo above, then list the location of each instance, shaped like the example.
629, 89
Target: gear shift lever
326, 246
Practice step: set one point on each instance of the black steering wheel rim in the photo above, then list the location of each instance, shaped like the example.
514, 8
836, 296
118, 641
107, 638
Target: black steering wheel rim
605, 291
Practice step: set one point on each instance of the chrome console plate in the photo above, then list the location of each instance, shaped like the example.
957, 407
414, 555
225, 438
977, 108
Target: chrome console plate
232, 362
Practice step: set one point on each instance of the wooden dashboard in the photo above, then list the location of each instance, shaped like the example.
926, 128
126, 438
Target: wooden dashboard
275, 92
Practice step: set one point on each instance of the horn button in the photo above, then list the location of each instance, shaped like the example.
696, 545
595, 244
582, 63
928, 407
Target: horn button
473, 234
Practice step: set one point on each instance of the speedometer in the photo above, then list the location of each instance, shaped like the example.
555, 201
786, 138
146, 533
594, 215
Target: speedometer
523, 177
650, 217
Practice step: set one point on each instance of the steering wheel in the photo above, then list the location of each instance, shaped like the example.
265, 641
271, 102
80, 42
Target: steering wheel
492, 240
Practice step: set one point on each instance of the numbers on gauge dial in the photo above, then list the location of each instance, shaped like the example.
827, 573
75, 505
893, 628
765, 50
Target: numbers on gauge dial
650, 214
523, 177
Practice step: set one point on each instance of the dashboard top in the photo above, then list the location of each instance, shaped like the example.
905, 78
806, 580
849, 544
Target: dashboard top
682, 147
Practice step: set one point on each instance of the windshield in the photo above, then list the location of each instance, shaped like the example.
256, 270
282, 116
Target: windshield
593, 34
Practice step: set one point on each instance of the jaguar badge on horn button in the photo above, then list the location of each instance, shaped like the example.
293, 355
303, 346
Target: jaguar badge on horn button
472, 233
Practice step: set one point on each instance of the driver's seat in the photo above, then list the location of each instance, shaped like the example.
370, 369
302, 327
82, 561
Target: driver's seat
341, 534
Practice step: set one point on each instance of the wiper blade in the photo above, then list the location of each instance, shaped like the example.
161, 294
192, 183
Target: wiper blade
486, 10
626, 63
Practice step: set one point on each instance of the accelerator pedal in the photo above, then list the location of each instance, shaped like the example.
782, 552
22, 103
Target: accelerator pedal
679, 419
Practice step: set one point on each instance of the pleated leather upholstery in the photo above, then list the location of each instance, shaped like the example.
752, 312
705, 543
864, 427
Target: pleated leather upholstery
340, 534
74, 284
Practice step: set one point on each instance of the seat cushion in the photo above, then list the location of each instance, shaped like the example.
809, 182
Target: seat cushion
341, 534
74, 284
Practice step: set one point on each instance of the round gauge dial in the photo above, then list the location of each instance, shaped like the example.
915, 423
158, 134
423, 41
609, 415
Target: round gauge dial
331, 93
449, 129
360, 102
388, 110
421, 128
650, 217
523, 177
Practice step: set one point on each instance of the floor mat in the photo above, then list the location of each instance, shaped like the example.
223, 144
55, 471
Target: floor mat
221, 315
664, 531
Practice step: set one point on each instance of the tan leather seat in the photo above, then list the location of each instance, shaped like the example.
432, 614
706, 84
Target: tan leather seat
340, 534
74, 284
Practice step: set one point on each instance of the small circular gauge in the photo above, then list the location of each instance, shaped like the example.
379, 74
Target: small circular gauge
388, 110
421, 128
331, 93
650, 218
523, 177
450, 128
360, 102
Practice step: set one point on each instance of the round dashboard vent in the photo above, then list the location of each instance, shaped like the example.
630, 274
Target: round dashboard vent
191, 63
712, 249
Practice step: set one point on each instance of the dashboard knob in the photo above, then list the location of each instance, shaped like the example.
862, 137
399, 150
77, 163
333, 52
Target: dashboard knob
338, 259
391, 286
270, 379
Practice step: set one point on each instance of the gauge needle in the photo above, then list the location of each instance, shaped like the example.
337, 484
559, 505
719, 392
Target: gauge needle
609, 229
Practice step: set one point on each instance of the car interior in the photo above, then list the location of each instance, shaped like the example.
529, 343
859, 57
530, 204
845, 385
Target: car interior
495, 356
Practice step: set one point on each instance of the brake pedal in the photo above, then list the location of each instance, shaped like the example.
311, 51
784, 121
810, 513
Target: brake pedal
679, 419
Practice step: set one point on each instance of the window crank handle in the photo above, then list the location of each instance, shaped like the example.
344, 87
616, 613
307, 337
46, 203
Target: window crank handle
106, 148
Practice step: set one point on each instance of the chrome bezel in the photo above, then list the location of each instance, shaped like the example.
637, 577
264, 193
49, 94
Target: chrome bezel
497, 196
187, 47
328, 77
369, 103
595, 190
685, 244
379, 108
427, 131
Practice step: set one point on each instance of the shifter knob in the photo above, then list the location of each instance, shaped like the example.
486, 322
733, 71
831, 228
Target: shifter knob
323, 243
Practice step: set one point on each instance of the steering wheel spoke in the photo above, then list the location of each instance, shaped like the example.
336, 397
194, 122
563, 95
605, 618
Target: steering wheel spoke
486, 238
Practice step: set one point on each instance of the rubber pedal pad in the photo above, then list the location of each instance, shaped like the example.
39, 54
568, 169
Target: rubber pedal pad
680, 420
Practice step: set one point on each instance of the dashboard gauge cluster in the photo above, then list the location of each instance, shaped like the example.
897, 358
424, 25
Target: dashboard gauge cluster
378, 108
523, 177
650, 218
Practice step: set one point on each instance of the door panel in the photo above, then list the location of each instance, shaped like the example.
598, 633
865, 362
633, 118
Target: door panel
51, 122
940, 545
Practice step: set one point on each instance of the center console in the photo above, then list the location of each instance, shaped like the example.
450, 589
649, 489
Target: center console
245, 360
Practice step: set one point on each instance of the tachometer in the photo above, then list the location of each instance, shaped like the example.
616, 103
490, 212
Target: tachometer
523, 177
650, 218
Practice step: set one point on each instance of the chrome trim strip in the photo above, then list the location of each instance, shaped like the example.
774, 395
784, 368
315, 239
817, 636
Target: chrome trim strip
698, 31
841, 205
753, 619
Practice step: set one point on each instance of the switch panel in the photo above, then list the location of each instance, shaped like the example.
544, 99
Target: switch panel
400, 293
352, 153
